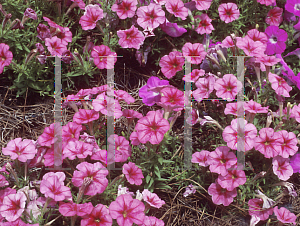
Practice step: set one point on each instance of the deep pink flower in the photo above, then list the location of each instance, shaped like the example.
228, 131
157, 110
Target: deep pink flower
71, 209
134, 138
204, 87
21, 150
92, 14
293, 6
228, 12
276, 40
13, 206
172, 63
65, 35
256, 35
107, 106
255, 209
152, 199
289, 146
266, 2
203, 4
205, 26
274, 16
43, 32
131, 38
85, 116
201, 158
77, 149
5, 56
3, 181
71, 131
52, 186
133, 173
127, 210
103, 57
98, 217
172, 99
221, 160
227, 87
101, 155
250, 47
152, 128
172, 29
193, 76
232, 180
55, 46
97, 172
52, 24
150, 16
195, 51
221, 195
122, 148
227, 42
279, 85
268, 142
126, 9
177, 8
284, 215
282, 168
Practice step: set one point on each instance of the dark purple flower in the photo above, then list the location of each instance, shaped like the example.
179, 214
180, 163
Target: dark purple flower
172, 29
150, 92
293, 6
276, 40
40, 48
289, 16
295, 163
43, 32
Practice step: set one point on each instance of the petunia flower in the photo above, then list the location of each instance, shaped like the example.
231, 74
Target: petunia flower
120, 146
256, 35
55, 46
123, 95
228, 12
289, 146
152, 221
150, 16
205, 26
125, 190
293, 6
98, 217
203, 4
127, 210
201, 158
250, 47
221, 195
191, 189
152, 199
274, 16
228, 42
204, 87
177, 8
126, 9
232, 180
52, 24
227, 87
195, 52
48, 137
133, 173
71, 209
5, 56
130, 38
92, 14
267, 61
282, 168
131, 114
107, 106
172, 29
65, 35
255, 209
77, 149
284, 215
79, 3
3, 181
276, 40
194, 75
13, 206
279, 85
85, 116
71, 131
103, 57
266, 2
29, 13
172, 63
296, 112
172, 99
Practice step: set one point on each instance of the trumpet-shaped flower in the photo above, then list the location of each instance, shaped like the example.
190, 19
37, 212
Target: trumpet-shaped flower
85, 116
55, 46
289, 146
194, 53
92, 14
254, 107
122, 148
256, 209
150, 16
71, 131
221, 195
77, 149
172, 63
203, 4
172, 29
204, 87
103, 57
284, 215
123, 95
5, 56
133, 173
279, 85
107, 106
296, 112
131, 38
152, 221
250, 47
232, 180
13, 206
193, 76
228, 12
172, 99
201, 158
274, 16
177, 8
126, 9
48, 136
152, 199
282, 168
293, 6
21, 150
276, 40
227, 87
65, 35
43, 32
256, 35
98, 217
205, 26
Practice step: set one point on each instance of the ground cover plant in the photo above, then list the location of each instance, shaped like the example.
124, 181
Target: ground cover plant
239, 165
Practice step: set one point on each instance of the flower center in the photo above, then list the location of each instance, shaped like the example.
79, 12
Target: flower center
124, 214
2, 58
267, 143
297, 6
223, 190
273, 39
222, 161
97, 220
233, 176
228, 13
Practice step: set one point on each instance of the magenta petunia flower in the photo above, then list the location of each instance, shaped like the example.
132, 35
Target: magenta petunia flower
52, 24
195, 51
134, 138
228, 12
3, 181
227, 87
221, 195
77, 149
202, 4
289, 146
71, 131
127, 210
150, 16
284, 215
177, 8
126, 9
201, 158
133, 173
276, 40
266, 2
152, 199
232, 180
85, 116
221, 160
255, 209
13, 206
172, 29
172, 99
250, 47
98, 217
293, 6
130, 38
92, 14
274, 16
122, 148
96, 172
48, 137
152, 128
205, 26
55, 46
268, 142
71, 209
204, 87
103, 57
5, 56
295, 163
279, 85
282, 168
172, 63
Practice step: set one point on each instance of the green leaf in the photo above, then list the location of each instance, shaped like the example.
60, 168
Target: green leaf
168, 161
151, 182
157, 171
160, 160
148, 177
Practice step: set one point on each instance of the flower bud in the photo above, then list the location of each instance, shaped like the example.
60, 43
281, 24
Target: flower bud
6, 18
32, 53
29, 13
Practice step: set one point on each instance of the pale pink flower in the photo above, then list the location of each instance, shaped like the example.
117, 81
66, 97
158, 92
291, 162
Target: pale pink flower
227, 87
203, 4
130, 38
254, 107
5, 56
282, 168
13, 206
98, 217
289, 146
274, 16
221, 195
177, 8
201, 158
21, 150
103, 57
150, 16
172, 63
52, 24
152, 199
266, 2
195, 51
255, 209
205, 26
3, 181
228, 12
85, 116
126, 9
152, 221
232, 180
133, 173
122, 148
250, 47
204, 87
127, 210
279, 85
191, 189
55, 46
134, 138
284, 215
131, 114
92, 14
123, 95
79, 3
77, 149
267, 61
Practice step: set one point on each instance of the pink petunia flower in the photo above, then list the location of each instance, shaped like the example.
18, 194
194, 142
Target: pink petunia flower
29, 13
205, 26
268, 142
255, 209
279, 85
92, 14
266, 2
122, 149
126, 9
221, 160
191, 189
276, 40
13, 206
3, 181
71, 131
289, 146
250, 47
274, 16
227, 87
5, 56
172, 63
227, 42
256, 35
48, 137
97, 172
253, 107
152, 199
103, 57
267, 61
43, 32
127, 210
150, 16
195, 51
221, 195
228, 12
98, 217
282, 168
131, 114
201, 158
152, 221
193, 76
133, 173
284, 215
204, 87
172, 29
177, 8
21, 150
130, 38
52, 24
71, 209
79, 3
134, 138
65, 35
107, 106
296, 112
85, 116
55, 46
232, 180
172, 99
203, 4
152, 128
123, 95
77, 149
293, 6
